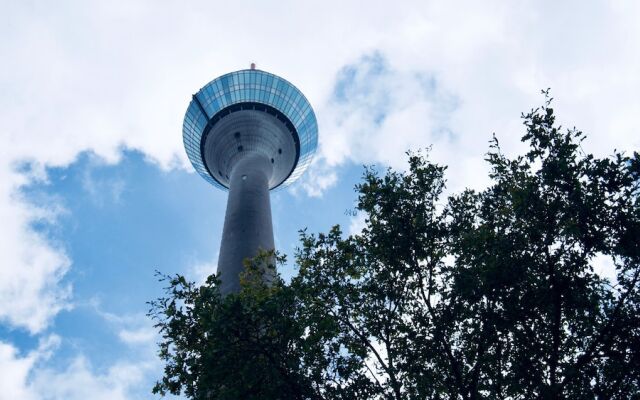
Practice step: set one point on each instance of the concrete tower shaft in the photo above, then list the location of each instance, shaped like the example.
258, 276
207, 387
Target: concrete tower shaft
247, 222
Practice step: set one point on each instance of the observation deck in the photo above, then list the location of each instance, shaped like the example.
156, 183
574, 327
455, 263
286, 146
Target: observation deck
247, 112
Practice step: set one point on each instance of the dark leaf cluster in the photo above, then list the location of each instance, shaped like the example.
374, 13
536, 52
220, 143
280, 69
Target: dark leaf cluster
489, 294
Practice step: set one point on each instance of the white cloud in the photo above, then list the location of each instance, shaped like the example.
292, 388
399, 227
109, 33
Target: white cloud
79, 381
199, 272
31, 267
358, 223
25, 378
32, 377
101, 190
135, 330
317, 179
144, 335
485, 63
15, 370
605, 268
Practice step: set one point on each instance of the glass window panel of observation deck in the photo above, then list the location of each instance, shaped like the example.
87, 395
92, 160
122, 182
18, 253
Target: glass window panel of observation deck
192, 113
188, 126
308, 120
189, 140
201, 122
282, 105
204, 94
225, 81
211, 91
300, 102
286, 104
226, 99
273, 81
193, 156
192, 151
215, 104
306, 111
217, 87
289, 91
286, 107
296, 108
293, 96
304, 114
215, 92
294, 105
276, 83
222, 86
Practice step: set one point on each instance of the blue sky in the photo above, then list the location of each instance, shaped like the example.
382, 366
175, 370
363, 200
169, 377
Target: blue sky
121, 223
96, 192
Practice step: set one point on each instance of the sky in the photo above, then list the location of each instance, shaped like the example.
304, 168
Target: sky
96, 191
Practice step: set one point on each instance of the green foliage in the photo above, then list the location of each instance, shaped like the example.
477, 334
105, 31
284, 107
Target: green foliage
485, 294
242, 346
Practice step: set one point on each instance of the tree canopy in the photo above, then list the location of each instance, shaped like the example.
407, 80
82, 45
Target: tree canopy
488, 294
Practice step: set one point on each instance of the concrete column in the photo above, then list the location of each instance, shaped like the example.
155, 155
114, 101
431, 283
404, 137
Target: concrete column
247, 222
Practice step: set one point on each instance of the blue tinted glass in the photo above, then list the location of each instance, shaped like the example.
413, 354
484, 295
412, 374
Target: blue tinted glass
289, 91
250, 86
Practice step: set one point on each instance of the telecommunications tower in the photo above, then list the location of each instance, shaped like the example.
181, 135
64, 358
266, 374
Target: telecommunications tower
248, 132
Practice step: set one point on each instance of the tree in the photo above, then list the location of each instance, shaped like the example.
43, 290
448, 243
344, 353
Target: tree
243, 346
486, 294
